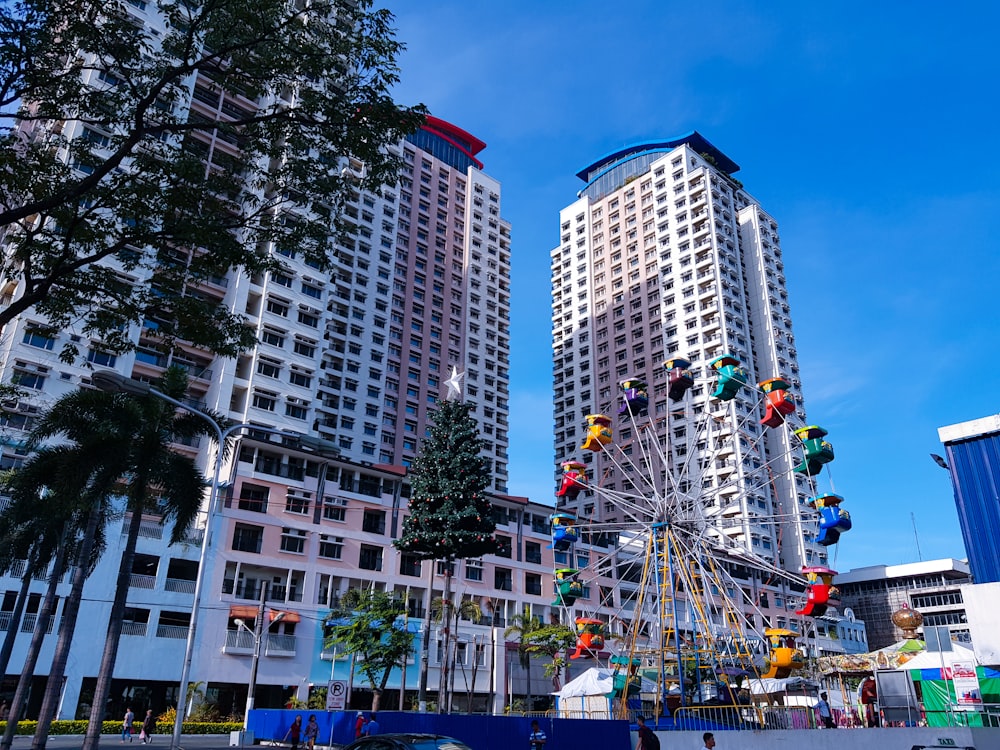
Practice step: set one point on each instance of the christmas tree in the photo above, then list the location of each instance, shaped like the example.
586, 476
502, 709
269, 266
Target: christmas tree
450, 517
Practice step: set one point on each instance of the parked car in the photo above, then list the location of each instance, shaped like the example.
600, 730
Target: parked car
407, 741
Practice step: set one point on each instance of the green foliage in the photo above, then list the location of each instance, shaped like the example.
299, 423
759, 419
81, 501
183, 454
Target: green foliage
317, 699
107, 161
27, 728
368, 624
523, 627
552, 641
450, 516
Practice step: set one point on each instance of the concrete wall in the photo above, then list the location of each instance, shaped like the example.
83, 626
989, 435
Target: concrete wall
902, 738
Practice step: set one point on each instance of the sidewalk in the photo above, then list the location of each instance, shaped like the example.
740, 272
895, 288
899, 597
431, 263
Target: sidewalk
160, 742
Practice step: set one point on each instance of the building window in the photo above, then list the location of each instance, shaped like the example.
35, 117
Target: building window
247, 538
33, 338
334, 509
273, 337
277, 306
33, 380
473, 570
504, 543
374, 522
253, 497
101, 359
296, 411
409, 565
268, 368
296, 502
303, 379
264, 400
293, 540
331, 547
370, 558
533, 584
532, 552
503, 579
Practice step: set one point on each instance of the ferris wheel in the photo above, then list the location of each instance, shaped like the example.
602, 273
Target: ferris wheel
703, 492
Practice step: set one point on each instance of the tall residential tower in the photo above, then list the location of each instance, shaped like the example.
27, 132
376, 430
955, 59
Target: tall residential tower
664, 255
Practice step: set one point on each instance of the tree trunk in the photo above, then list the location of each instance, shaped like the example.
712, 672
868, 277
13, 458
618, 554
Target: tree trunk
452, 661
67, 626
104, 675
446, 630
31, 659
425, 649
527, 670
15, 619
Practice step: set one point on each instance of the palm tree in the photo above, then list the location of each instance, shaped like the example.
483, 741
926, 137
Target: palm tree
120, 446
522, 626
468, 609
159, 481
71, 521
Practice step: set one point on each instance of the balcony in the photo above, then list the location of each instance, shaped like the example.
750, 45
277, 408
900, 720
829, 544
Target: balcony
172, 631
238, 642
134, 628
137, 581
179, 585
279, 644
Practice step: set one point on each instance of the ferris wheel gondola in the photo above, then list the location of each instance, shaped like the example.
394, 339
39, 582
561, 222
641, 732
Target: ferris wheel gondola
682, 526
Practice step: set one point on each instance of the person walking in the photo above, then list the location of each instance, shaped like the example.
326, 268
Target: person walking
294, 733
127, 724
359, 726
709, 739
372, 728
148, 728
825, 715
312, 732
537, 739
647, 738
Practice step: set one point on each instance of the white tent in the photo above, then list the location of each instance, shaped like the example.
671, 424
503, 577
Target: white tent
597, 681
589, 695
934, 659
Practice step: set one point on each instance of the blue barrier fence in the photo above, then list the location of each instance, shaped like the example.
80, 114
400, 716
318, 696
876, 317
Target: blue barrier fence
480, 732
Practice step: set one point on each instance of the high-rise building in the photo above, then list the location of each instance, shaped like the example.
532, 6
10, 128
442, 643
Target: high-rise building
357, 354
665, 255
973, 458
932, 587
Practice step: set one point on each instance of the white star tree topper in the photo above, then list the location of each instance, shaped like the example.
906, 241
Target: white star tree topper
454, 384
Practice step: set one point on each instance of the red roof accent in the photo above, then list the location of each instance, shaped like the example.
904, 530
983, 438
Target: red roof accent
461, 139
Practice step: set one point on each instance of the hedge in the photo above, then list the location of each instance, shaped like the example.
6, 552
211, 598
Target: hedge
115, 727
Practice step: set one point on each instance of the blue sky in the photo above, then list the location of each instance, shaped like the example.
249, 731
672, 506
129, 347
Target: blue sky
868, 130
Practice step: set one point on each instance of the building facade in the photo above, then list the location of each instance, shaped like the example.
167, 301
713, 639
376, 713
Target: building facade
664, 255
973, 457
933, 588
356, 354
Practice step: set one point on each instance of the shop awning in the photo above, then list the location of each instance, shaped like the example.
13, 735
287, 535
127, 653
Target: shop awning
243, 611
289, 616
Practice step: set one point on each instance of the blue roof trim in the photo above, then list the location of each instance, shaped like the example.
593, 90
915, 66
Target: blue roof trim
694, 139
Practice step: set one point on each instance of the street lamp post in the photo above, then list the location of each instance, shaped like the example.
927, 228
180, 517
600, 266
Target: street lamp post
115, 382
258, 636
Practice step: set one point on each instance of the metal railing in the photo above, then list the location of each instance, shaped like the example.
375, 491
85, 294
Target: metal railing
134, 628
140, 581
279, 644
238, 642
179, 585
172, 631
